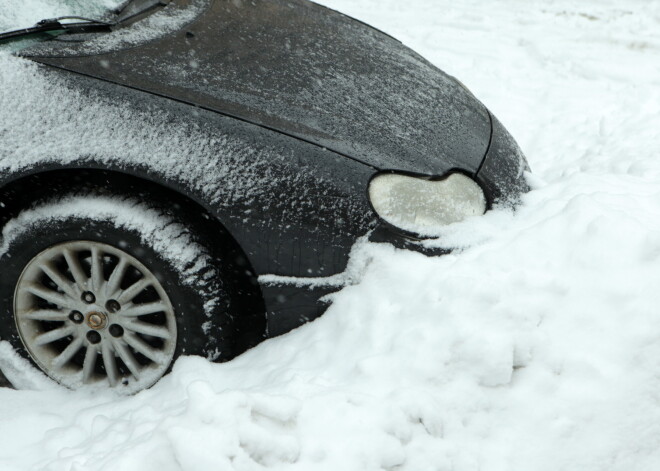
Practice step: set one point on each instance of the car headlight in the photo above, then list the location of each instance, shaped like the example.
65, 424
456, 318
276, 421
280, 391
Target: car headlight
424, 206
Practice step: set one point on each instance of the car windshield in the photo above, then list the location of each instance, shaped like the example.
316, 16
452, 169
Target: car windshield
27, 40
17, 40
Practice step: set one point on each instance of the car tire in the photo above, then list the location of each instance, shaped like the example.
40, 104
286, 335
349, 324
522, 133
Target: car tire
107, 291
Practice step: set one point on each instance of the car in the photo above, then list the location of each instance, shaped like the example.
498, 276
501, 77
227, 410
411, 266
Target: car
189, 177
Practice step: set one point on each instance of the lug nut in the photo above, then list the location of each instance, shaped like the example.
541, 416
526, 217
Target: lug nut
112, 306
93, 336
88, 297
76, 316
116, 330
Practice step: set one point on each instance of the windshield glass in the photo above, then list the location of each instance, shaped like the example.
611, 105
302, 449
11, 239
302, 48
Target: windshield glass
14, 45
18, 14
21, 14
133, 24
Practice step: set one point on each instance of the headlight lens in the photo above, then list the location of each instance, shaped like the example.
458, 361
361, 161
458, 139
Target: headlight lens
425, 206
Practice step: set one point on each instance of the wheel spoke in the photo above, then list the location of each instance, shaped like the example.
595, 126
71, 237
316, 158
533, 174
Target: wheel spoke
76, 269
68, 353
53, 335
49, 295
143, 347
132, 291
127, 357
97, 269
54, 274
149, 329
72, 289
110, 363
136, 310
89, 363
46, 315
115, 278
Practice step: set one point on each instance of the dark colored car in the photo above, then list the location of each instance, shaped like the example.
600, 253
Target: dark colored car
206, 170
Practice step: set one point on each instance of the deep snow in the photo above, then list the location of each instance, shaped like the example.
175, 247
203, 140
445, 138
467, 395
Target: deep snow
535, 347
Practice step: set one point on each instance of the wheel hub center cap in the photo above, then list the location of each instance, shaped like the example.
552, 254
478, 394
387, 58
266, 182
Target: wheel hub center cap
96, 320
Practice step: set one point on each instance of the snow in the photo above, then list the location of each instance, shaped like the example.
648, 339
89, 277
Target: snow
155, 26
16, 14
535, 346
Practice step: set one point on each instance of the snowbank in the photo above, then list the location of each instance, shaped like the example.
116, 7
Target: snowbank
534, 347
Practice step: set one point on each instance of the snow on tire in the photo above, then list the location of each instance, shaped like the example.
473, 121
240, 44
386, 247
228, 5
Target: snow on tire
108, 291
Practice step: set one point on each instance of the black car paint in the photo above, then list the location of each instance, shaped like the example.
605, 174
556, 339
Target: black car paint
306, 71
319, 104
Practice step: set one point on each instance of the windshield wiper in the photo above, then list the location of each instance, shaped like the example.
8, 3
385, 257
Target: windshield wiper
84, 25
132, 11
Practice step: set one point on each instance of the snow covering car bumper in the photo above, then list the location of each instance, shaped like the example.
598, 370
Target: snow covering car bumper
502, 177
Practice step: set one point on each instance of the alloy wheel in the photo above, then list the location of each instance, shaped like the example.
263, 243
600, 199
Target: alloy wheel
91, 314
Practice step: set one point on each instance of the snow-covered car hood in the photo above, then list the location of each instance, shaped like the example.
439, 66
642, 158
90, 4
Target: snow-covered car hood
296, 67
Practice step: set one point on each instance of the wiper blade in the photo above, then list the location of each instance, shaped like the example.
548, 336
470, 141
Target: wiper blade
132, 11
82, 18
86, 25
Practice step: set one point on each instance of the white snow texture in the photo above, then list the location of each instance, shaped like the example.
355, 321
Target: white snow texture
534, 347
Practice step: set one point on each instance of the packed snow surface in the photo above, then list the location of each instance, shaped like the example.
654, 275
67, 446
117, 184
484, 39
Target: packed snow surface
536, 346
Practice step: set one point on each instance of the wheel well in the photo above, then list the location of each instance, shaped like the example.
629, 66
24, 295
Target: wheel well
251, 320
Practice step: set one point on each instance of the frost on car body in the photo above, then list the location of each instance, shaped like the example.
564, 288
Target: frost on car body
266, 120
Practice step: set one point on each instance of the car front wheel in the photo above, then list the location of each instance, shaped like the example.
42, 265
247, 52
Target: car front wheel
108, 291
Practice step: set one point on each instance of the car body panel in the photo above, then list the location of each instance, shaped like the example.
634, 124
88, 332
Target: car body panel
306, 71
271, 115
294, 208
502, 173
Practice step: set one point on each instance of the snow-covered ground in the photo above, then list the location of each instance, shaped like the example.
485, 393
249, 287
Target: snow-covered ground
537, 347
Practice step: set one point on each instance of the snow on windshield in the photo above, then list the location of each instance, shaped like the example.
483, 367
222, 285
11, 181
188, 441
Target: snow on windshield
23, 14
161, 23
534, 347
